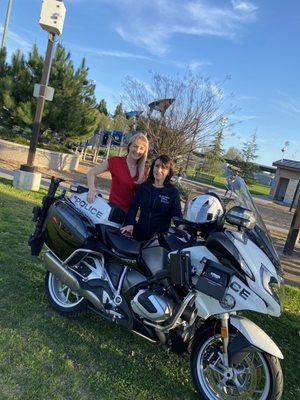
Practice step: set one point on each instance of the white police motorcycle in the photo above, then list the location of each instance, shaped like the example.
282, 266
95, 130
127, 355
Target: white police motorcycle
182, 290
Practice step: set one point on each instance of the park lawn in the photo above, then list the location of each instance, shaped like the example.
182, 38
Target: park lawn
255, 188
46, 356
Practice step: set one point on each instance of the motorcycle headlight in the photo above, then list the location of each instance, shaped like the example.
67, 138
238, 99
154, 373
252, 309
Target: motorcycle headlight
273, 285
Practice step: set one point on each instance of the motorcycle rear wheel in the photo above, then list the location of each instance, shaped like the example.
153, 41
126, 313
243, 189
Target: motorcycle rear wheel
62, 298
258, 377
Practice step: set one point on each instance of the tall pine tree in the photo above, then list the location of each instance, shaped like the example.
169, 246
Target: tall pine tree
214, 157
248, 167
102, 107
72, 113
119, 110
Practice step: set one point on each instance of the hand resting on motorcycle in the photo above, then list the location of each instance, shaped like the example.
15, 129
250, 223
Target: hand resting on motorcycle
127, 230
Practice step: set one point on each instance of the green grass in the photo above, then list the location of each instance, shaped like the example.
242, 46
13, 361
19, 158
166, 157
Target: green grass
255, 188
46, 356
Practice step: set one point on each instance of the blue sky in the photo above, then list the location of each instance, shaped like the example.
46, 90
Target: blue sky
256, 43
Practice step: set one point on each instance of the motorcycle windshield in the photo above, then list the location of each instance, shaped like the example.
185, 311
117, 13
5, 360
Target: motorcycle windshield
259, 233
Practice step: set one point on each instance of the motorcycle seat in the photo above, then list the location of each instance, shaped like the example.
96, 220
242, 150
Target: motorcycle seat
125, 246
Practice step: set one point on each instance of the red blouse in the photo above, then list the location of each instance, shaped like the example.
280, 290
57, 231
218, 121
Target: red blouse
123, 186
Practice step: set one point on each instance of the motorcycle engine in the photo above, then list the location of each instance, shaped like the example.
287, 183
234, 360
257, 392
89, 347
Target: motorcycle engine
152, 306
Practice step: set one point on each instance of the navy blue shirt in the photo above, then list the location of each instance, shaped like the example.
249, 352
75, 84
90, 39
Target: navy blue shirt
157, 207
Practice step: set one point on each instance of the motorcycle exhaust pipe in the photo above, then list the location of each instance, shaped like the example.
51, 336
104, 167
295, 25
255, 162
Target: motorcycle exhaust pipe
53, 265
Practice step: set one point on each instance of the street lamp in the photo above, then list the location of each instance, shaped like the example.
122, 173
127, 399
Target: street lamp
284, 149
161, 106
52, 20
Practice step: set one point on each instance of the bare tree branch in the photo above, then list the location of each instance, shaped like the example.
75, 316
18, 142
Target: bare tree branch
189, 123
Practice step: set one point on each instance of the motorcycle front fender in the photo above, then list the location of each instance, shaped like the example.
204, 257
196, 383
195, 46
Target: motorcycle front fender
250, 338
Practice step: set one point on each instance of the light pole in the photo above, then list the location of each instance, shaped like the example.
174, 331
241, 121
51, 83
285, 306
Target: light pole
52, 20
284, 149
293, 232
6, 23
159, 105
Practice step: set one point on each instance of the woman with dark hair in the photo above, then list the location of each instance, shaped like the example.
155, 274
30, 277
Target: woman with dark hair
158, 201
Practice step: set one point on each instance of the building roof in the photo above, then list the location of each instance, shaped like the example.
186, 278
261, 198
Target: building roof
288, 164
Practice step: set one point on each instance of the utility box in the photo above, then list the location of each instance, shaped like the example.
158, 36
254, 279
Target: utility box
53, 16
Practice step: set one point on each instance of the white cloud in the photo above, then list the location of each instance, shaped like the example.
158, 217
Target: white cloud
287, 104
243, 117
195, 65
151, 25
192, 65
109, 53
289, 107
16, 41
216, 91
243, 5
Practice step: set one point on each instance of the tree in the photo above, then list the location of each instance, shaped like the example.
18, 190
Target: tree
248, 168
102, 107
119, 110
72, 113
250, 148
214, 157
233, 154
105, 122
120, 123
188, 122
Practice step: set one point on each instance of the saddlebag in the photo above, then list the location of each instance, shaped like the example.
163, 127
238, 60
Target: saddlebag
214, 279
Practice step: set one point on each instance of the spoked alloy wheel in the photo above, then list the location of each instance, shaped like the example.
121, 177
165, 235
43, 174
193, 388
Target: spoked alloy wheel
62, 298
257, 377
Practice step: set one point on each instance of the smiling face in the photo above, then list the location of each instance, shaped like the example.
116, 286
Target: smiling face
160, 171
136, 150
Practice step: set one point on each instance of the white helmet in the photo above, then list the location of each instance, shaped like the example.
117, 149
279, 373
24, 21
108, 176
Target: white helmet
204, 208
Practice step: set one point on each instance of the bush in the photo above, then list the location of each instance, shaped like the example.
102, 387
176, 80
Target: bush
24, 138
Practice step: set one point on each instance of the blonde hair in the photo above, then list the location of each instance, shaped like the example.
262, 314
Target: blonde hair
141, 161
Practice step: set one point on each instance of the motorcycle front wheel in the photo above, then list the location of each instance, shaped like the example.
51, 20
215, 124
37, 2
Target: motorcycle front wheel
62, 298
258, 377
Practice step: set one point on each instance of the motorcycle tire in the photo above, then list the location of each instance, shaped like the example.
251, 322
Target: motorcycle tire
62, 299
205, 352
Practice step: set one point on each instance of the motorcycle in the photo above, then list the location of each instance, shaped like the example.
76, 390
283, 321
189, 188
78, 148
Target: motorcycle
182, 289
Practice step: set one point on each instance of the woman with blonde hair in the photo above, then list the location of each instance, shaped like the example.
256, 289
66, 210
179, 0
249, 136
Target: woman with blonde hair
127, 173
